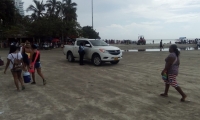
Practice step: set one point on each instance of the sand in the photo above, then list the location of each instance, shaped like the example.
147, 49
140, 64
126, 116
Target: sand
127, 91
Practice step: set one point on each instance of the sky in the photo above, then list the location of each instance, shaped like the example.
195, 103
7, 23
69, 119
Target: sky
126, 19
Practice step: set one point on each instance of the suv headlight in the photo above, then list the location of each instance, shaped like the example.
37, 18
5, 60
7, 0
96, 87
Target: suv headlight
103, 50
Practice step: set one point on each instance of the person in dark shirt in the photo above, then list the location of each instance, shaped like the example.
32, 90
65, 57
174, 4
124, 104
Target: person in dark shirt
161, 45
37, 65
81, 53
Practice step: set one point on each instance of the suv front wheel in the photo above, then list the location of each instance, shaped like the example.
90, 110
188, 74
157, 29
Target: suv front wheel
96, 59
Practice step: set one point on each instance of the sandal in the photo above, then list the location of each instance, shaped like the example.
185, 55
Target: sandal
33, 83
182, 100
163, 95
23, 87
44, 82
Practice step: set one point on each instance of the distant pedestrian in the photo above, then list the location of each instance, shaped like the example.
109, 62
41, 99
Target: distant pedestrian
15, 62
161, 45
37, 64
81, 52
172, 63
153, 41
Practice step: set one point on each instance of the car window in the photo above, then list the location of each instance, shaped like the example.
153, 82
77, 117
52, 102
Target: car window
86, 42
78, 42
98, 43
82, 41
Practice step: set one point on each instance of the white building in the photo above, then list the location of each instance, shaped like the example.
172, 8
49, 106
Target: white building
20, 6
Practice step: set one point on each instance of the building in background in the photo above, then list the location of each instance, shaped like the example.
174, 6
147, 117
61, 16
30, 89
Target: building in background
20, 6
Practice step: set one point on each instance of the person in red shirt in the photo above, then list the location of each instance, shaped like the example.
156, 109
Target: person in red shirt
37, 65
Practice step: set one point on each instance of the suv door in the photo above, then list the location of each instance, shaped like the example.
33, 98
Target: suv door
76, 48
87, 50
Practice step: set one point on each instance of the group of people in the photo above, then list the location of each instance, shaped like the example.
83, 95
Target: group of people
24, 58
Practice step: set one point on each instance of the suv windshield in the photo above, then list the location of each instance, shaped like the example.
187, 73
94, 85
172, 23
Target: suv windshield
98, 43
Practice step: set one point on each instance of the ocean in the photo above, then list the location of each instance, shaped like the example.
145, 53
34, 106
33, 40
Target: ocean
157, 41
164, 41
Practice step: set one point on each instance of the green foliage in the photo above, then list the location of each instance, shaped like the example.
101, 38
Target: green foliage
53, 19
7, 12
11, 24
59, 20
89, 32
38, 9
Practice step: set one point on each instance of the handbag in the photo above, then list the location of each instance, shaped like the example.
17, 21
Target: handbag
32, 69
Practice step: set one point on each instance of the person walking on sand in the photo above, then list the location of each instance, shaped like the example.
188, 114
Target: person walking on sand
81, 53
161, 45
37, 64
26, 58
171, 69
15, 62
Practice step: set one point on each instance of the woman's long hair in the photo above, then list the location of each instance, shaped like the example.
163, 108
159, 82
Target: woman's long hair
13, 49
175, 49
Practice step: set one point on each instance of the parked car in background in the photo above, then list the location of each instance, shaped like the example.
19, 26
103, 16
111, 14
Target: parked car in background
181, 40
141, 40
97, 51
198, 42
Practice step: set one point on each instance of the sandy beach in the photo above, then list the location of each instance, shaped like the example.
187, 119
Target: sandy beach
126, 91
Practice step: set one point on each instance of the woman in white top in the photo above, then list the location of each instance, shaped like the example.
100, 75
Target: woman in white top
15, 57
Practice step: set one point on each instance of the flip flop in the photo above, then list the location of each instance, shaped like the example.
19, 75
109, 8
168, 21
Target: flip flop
44, 82
163, 95
182, 100
23, 87
33, 83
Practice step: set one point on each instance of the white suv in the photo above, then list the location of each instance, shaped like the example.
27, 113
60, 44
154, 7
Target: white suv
97, 51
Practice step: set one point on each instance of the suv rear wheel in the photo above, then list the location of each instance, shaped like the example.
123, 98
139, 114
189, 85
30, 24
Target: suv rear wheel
70, 57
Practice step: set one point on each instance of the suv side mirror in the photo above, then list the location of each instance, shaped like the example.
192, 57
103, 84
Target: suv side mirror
87, 45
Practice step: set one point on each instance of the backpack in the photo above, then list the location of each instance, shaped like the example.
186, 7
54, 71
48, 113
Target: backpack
80, 49
17, 64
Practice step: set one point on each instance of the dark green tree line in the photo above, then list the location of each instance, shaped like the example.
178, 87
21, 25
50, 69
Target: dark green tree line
51, 19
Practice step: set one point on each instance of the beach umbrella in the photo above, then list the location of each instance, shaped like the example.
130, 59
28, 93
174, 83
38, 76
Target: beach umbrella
55, 40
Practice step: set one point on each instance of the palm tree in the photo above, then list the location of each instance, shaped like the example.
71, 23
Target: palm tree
69, 10
37, 10
54, 7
